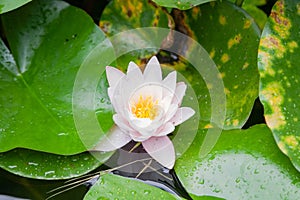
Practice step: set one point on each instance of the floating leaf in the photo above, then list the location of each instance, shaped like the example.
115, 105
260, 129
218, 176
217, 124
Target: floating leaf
121, 15
111, 186
244, 164
8, 5
180, 4
251, 7
231, 38
39, 165
37, 77
279, 61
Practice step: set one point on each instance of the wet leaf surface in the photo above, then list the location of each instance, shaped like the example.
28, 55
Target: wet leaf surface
8, 5
111, 186
244, 164
122, 15
279, 61
180, 4
38, 74
46, 166
231, 38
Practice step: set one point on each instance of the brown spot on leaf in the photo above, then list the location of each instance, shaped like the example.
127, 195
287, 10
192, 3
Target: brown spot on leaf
281, 23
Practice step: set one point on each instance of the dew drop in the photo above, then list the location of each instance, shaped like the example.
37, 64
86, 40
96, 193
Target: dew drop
201, 181
146, 192
133, 192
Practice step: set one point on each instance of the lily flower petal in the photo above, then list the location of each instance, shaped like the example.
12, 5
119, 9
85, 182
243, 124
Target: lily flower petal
113, 140
113, 75
132, 66
182, 115
147, 108
179, 93
166, 129
161, 149
170, 82
152, 72
121, 123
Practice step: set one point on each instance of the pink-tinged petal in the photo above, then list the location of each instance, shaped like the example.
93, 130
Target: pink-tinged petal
139, 138
182, 114
132, 66
146, 90
122, 123
110, 92
118, 104
143, 126
161, 149
179, 93
166, 129
170, 82
113, 140
134, 73
152, 72
113, 75
171, 112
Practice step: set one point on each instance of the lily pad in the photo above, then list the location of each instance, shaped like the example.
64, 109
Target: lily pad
111, 186
121, 15
8, 5
180, 4
244, 164
38, 74
279, 61
258, 15
251, 7
46, 166
231, 37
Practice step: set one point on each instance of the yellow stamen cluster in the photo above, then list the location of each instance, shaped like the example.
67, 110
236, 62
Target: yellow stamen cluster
145, 107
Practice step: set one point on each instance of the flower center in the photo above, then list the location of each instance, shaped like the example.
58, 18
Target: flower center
145, 107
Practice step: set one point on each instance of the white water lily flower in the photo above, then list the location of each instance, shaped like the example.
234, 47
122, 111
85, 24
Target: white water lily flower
147, 109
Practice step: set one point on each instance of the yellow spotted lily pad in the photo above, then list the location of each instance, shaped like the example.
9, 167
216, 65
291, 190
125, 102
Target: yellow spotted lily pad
231, 38
279, 65
122, 15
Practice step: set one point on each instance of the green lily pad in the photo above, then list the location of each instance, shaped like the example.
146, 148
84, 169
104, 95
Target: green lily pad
244, 164
8, 5
121, 15
231, 38
258, 15
279, 61
251, 7
180, 4
38, 74
46, 166
111, 186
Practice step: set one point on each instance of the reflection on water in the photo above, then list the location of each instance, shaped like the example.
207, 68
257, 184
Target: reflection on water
13, 186
16, 187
